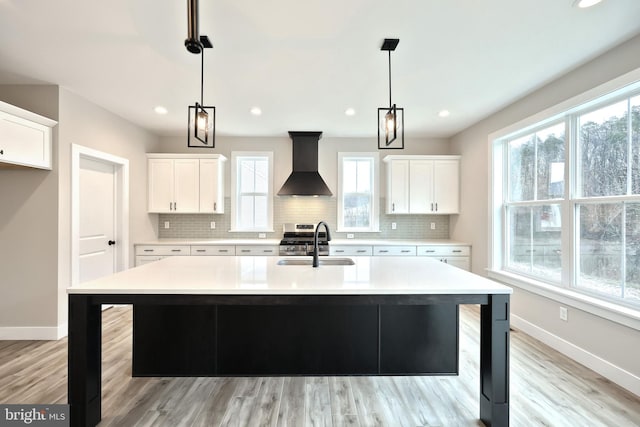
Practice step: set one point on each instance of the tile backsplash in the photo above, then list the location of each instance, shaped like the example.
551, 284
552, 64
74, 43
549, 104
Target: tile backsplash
301, 210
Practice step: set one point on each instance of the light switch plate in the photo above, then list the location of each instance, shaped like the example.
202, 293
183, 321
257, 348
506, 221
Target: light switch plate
349, 235
433, 225
213, 225
394, 226
262, 235
166, 224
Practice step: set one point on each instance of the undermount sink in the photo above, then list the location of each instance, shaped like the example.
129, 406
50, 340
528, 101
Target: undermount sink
306, 261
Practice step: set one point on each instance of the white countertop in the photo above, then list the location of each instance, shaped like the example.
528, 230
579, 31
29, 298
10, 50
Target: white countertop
354, 242
261, 275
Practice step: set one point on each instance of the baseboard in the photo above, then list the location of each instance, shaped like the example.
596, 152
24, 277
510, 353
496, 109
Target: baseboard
43, 333
603, 367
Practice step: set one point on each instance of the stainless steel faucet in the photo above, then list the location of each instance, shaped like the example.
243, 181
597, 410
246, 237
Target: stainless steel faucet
315, 241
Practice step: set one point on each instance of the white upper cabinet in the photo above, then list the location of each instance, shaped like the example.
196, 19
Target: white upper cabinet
25, 138
423, 184
184, 183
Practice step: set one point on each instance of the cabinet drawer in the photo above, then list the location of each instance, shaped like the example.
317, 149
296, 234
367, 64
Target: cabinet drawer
438, 250
394, 250
351, 250
213, 250
165, 250
257, 250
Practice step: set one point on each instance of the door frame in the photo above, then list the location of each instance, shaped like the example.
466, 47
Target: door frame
121, 206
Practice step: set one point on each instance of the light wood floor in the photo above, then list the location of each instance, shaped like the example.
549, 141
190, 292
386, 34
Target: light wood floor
547, 389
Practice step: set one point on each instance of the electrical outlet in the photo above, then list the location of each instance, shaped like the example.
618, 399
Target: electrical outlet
433, 225
394, 226
349, 235
166, 224
213, 225
262, 235
564, 314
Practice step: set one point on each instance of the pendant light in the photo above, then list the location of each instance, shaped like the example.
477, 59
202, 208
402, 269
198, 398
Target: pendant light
201, 118
391, 118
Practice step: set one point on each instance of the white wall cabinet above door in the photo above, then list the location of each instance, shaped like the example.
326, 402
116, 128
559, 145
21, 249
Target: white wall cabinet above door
183, 183
423, 184
25, 138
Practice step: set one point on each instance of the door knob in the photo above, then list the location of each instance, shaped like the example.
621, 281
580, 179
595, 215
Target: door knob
111, 242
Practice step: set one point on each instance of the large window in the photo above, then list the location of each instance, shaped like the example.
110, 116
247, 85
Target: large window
567, 199
358, 192
252, 191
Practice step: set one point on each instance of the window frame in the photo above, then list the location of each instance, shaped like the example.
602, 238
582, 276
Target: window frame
567, 292
236, 156
374, 220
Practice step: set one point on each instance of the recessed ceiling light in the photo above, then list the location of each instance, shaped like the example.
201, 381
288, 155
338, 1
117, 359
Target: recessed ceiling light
350, 112
444, 113
583, 4
160, 110
256, 111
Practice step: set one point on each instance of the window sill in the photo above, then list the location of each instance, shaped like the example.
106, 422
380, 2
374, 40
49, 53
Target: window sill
356, 230
616, 313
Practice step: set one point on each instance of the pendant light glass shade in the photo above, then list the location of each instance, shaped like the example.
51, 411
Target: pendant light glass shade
202, 126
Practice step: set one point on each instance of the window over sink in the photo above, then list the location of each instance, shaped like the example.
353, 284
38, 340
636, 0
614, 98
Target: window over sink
358, 194
251, 191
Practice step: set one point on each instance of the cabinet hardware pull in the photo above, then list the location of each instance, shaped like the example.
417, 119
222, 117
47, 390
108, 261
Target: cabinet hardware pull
339, 251
215, 206
149, 250
200, 250
436, 207
223, 250
1, 151
431, 207
404, 251
361, 251
384, 251
267, 251
430, 251
111, 242
176, 250
245, 250
393, 207
455, 251
175, 206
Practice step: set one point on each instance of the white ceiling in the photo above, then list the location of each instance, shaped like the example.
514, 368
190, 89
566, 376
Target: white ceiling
305, 62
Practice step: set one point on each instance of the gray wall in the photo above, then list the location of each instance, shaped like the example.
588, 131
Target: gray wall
29, 226
608, 340
35, 220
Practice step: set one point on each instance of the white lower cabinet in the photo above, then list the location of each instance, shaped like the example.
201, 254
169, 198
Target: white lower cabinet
458, 256
348, 250
257, 250
149, 253
394, 250
207, 250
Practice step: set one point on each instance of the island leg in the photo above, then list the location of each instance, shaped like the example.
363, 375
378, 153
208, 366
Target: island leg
84, 367
494, 361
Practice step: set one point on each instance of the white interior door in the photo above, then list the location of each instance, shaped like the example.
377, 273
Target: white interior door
96, 219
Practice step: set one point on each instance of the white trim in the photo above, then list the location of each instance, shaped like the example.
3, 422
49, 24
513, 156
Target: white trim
38, 333
607, 369
121, 166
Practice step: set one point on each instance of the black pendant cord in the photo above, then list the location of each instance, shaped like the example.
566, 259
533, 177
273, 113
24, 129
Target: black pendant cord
389, 79
202, 79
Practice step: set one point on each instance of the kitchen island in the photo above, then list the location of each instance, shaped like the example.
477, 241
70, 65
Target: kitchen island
373, 296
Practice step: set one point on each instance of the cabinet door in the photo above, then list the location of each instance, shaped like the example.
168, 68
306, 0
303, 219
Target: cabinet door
186, 179
211, 186
398, 187
160, 185
446, 186
420, 186
24, 143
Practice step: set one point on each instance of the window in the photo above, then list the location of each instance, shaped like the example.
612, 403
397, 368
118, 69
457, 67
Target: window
572, 182
252, 191
358, 192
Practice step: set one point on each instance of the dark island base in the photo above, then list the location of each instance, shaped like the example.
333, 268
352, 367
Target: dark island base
238, 340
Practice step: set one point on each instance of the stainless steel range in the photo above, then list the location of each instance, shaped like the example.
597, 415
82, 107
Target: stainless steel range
298, 240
